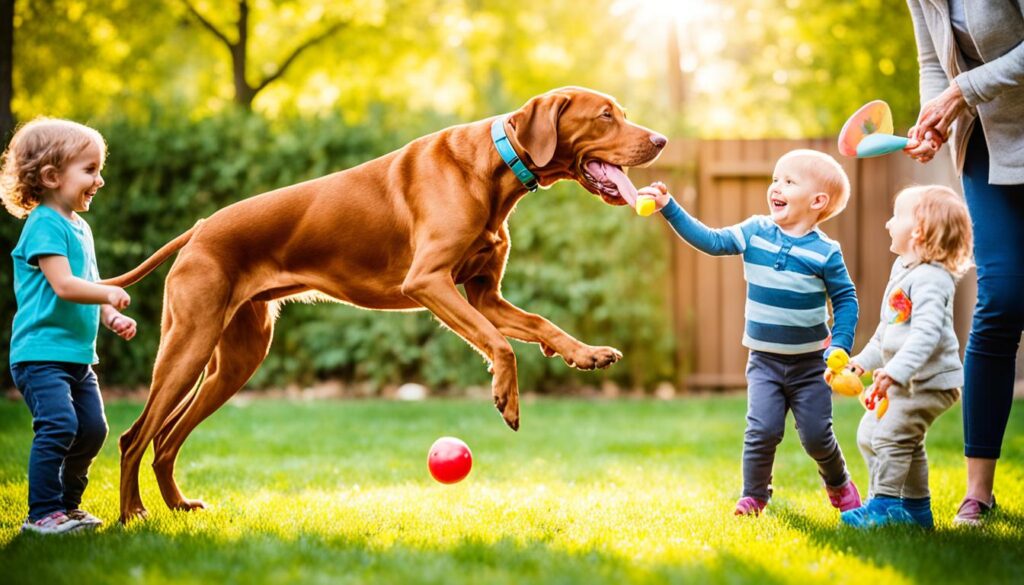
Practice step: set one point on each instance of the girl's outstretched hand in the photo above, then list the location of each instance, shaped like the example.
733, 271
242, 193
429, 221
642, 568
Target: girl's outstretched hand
659, 191
117, 298
123, 326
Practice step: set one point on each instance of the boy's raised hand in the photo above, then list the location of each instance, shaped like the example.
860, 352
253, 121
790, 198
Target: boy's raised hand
659, 191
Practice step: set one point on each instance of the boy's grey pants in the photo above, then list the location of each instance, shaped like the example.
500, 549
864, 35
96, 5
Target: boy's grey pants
893, 447
776, 384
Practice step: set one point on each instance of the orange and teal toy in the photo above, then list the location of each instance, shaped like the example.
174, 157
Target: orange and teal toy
869, 132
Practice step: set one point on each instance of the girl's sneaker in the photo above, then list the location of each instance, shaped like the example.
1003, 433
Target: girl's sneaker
748, 506
55, 523
86, 519
879, 511
971, 511
844, 498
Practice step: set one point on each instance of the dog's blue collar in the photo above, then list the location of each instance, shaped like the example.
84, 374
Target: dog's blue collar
508, 154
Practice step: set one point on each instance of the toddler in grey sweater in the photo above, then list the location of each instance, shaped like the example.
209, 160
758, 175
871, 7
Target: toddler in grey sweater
914, 354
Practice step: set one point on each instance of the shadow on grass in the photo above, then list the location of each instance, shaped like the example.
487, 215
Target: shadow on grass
115, 555
949, 554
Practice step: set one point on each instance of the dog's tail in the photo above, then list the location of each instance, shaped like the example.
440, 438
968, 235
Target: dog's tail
139, 272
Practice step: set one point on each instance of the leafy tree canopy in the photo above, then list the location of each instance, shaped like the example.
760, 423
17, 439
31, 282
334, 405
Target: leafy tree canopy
751, 67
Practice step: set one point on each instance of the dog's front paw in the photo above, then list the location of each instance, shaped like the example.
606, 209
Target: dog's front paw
507, 403
592, 358
511, 416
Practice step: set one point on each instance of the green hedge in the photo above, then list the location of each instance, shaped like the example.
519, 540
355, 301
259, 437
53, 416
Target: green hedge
599, 273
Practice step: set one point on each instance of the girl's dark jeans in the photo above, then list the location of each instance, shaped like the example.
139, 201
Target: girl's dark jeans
70, 427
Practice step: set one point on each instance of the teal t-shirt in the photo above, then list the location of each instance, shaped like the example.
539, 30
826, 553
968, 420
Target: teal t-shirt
47, 328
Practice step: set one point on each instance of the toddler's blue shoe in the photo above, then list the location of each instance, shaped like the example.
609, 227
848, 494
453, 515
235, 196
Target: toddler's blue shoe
879, 511
920, 509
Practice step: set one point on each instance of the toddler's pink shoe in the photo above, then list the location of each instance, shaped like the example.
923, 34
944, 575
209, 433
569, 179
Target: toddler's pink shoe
748, 506
845, 498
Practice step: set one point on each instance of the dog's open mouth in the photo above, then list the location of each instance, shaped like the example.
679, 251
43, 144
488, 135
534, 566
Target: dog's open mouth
610, 182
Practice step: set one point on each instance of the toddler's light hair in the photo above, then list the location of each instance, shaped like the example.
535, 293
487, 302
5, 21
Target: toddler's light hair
944, 224
832, 179
41, 143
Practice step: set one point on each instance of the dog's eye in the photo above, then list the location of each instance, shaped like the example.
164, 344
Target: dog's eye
606, 115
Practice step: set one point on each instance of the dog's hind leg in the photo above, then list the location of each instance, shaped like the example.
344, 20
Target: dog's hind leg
243, 346
192, 328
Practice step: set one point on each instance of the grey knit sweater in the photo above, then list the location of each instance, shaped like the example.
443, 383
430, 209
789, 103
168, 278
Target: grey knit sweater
994, 90
915, 342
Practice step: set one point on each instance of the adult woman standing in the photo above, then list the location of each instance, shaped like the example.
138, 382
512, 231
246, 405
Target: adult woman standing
971, 57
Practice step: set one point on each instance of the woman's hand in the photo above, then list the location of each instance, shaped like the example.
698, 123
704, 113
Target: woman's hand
923, 144
936, 118
941, 111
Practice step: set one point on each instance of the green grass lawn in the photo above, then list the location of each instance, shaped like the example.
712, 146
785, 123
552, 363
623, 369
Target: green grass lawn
586, 492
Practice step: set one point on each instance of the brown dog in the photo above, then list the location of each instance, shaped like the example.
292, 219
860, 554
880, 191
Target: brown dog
396, 233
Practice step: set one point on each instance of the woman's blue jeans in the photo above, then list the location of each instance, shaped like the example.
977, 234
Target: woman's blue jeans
70, 427
997, 214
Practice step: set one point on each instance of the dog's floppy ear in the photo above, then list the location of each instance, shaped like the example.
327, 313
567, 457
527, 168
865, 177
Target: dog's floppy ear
536, 126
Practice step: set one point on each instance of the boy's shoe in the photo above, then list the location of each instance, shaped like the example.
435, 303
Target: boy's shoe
879, 511
920, 509
748, 506
844, 498
55, 523
86, 519
971, 511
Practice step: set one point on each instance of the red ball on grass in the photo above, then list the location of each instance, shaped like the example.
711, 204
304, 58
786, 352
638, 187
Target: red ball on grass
449, 460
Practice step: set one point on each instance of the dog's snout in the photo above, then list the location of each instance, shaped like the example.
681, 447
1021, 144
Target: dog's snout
658, 140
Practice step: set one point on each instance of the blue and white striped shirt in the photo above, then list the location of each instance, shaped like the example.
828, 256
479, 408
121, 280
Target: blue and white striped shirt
789, 281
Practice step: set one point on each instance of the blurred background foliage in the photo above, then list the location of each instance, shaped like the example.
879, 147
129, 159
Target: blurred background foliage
347, 81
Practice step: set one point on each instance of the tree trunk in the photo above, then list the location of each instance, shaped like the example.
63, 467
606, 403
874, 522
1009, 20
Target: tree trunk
7, 121
244, 93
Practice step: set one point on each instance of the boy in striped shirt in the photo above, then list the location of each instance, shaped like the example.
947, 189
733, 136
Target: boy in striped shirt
792, 269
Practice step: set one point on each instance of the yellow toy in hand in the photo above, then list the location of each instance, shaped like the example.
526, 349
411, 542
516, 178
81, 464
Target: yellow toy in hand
841, 380
647, 198
876, 402
645, 205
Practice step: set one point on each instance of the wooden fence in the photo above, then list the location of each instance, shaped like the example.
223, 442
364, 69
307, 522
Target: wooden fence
723, 182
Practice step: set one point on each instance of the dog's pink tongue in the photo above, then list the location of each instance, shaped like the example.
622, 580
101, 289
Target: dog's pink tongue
614, 173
